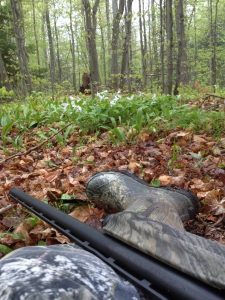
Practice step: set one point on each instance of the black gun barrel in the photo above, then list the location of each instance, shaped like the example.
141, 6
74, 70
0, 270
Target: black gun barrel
157, 279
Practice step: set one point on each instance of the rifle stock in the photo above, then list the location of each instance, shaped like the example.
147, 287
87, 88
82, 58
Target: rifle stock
158, 280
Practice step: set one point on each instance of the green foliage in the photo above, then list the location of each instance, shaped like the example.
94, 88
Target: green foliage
124, 117
4, 94
5, 249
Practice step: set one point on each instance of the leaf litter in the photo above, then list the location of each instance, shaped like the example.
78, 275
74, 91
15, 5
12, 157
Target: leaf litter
179, 158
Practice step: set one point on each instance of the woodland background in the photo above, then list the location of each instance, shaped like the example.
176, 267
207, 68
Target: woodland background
154, 45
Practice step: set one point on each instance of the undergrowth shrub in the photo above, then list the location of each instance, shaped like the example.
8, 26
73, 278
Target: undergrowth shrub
115, 113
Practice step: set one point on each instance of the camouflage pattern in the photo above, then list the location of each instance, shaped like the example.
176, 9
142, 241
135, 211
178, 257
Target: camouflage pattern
152, 222
202, 259
60, 272
118, 191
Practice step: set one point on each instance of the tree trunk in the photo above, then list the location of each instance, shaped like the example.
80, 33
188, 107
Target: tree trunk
20, 45
169, 29
162, 46
213, 41
51, 50
125, 66
103, 47
90, 26
44, 49
72, 48
195, 42
143, 46
150, 45
108, 45
154, 40
4, 80
36, 35
57, 45
117, 15
107, 19
181, 68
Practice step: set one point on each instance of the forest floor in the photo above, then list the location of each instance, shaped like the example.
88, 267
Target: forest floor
175, 157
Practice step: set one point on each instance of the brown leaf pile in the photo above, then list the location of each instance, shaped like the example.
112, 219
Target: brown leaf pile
181, 159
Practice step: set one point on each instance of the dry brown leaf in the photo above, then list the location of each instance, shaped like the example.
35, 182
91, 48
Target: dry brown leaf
134, 166
82, 213
198, 139
171, 180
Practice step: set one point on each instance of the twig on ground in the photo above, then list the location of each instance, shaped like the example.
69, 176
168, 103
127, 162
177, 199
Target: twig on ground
35, 147
6, 208
207, 96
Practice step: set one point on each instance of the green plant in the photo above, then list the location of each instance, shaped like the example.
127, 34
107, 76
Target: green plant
176, 150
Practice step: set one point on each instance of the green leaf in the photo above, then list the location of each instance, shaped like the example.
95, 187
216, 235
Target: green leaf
5, 249
155, 183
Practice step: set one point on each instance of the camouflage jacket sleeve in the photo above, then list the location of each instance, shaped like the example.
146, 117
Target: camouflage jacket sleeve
60, 272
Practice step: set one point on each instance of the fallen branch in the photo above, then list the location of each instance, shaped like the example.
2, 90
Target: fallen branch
6, 208
207, 96
35, 147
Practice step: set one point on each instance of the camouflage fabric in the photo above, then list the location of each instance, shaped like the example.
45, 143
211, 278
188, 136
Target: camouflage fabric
151, 221
60, 272
118, 191
202, 259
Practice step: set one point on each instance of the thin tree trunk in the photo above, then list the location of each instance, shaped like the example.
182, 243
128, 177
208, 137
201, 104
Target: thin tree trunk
150, 45
72, 48
107, 19
51, 51
169, 27
117, 15
125, 65
90, 26
154, 39
103, 48
57, 45
143, 46
213, 41
195, 42
20, 45
162, 47
145, 37
36, 35
181, 70
44, 48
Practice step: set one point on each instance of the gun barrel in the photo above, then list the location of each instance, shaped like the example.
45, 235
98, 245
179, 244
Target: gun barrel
157, 279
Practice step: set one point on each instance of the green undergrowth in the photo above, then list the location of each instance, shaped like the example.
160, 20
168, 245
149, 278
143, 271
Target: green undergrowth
122, 116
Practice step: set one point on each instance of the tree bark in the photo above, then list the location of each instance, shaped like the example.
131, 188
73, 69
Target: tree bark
213, 42
90, 26
51, 50
57, 45
117, 15
44, 49
162, 47
4, 80
181, 68
154, 40
103, 47
73, 48
143, 46
150, 61
36, 35
169, 29
20, 45
125, 65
